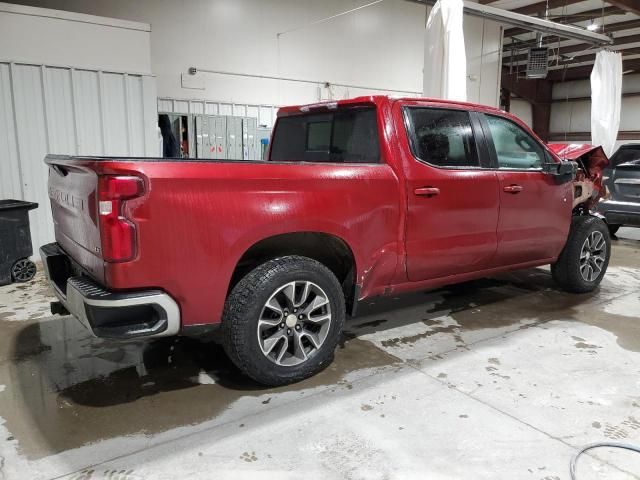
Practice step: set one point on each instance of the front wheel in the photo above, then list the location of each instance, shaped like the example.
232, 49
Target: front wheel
585, 257
282, 321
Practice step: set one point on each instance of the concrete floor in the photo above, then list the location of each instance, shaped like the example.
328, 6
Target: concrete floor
502, 378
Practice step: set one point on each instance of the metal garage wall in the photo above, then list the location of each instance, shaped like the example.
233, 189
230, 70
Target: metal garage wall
571, 111
49, 109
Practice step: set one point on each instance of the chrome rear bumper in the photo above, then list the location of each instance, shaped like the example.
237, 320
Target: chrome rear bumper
109, 314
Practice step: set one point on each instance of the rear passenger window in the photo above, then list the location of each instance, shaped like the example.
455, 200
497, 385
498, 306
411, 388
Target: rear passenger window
442, 137
347, 135
515, 148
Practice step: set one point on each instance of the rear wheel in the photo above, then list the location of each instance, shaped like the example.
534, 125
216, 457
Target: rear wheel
585, 257
282, 321
23, 270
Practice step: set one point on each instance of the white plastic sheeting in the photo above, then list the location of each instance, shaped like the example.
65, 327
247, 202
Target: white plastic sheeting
606, 99
67, 111
445, 62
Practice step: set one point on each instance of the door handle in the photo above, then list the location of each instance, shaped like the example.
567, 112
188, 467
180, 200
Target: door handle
513, 188
426, 191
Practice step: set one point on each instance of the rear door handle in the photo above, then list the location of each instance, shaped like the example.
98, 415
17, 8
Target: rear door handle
426, 191
513, 188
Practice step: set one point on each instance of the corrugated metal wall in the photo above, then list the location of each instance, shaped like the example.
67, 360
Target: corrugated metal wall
47, 109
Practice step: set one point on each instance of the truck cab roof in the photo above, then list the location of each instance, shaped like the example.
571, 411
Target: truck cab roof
379, 99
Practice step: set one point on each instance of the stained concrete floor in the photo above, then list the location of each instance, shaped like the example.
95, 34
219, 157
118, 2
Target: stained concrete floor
503, 378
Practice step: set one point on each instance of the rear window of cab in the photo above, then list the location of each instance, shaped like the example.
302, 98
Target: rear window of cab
345, 135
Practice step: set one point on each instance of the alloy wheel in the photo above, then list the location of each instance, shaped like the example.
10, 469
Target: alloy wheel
593, 256
294, 323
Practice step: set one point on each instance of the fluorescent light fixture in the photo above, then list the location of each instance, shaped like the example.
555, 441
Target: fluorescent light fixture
593, 26
534, 24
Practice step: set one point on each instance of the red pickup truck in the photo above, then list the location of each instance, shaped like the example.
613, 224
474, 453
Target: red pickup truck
361, 197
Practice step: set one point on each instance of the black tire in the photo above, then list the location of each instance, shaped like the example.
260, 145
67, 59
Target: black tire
566, 271
613, 229
23, 270
245, 304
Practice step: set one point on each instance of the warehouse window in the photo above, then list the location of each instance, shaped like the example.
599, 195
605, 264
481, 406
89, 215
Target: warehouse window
348, 135
442, 137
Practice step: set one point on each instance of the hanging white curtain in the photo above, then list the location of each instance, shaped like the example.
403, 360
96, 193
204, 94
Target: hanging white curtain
445, 61
606, 97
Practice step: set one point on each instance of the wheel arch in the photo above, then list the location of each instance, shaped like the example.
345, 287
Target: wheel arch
329, 249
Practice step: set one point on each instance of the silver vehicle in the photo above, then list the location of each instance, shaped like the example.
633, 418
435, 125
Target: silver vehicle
622, 178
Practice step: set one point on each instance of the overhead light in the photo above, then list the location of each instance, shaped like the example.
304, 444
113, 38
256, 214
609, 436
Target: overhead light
593, 26
535, 24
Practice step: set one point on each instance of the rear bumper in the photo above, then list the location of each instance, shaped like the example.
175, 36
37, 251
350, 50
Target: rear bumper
108, 314
620, 213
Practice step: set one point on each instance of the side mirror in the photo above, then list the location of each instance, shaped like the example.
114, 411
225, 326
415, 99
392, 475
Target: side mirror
563, 172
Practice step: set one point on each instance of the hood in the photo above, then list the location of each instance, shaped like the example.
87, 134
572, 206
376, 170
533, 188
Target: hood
572, 151
592, 157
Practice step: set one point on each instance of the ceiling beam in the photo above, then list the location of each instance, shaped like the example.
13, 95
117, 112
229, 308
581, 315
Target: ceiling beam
620, 26
540, 7
632, 6
522, 44
579, 73
515, 19
608, 28
612, 27
577, 17
579, 60
591, 57
536, 24
619, 41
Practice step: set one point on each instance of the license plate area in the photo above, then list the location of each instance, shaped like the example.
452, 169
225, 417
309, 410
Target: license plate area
60, 268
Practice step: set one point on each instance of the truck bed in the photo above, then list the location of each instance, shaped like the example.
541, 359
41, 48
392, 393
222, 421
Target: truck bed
193, 210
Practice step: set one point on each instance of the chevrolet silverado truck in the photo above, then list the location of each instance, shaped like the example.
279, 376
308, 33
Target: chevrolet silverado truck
358, 198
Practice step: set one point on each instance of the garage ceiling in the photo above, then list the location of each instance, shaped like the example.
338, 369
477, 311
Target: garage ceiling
571, 59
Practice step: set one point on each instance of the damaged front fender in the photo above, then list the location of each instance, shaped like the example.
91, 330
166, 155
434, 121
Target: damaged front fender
588, 187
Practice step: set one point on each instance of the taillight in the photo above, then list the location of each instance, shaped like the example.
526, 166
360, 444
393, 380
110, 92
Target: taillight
117, 233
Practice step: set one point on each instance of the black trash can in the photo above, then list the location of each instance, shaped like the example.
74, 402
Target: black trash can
15, 242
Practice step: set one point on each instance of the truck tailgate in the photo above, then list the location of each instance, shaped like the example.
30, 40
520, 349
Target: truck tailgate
73, 197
